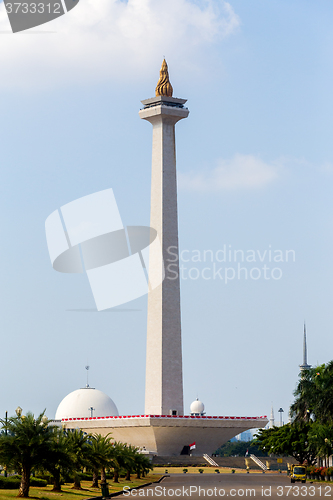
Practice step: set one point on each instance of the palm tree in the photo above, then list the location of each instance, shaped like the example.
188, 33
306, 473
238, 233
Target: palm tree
129, 452
25, 446
60, 457
100, 450
142, 465
79, 449
116, 459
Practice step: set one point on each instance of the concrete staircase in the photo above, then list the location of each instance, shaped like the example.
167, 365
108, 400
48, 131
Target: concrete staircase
210, 460
257, 461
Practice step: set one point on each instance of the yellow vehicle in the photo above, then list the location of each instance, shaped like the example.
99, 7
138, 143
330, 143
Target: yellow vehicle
298, 473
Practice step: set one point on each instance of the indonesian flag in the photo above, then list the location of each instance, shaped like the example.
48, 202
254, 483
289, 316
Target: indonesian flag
247, 453
192, 446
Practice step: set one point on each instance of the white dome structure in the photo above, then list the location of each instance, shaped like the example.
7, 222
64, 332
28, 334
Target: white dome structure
86, 402
197, 408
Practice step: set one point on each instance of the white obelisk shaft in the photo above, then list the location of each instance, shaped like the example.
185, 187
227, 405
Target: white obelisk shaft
164, 378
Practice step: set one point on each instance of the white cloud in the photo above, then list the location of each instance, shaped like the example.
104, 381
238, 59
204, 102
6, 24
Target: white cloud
113, 39
240, 172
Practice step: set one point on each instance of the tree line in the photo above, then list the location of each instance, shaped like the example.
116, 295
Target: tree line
239, 449
310, 433
31, 445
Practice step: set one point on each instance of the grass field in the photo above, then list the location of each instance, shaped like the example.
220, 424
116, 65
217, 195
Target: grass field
87, 492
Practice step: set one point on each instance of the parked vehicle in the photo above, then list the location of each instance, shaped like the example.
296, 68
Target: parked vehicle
298, 473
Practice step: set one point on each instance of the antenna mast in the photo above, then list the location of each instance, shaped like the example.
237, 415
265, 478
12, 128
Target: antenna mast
87, 368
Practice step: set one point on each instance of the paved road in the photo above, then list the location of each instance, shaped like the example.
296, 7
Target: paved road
261, 486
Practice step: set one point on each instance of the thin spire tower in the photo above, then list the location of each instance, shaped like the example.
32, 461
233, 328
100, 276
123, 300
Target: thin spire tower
271, 420
305, 365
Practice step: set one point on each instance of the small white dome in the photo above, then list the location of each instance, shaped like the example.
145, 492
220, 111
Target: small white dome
197, 407
78, 403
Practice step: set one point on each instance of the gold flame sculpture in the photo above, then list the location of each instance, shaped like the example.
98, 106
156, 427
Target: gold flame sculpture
164, 86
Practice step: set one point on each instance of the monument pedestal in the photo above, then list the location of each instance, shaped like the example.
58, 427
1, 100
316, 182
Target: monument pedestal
166, 435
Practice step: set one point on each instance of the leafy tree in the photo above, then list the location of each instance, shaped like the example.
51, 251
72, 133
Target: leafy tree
26, 445
320, 438
290, 439
239, 448
314, 395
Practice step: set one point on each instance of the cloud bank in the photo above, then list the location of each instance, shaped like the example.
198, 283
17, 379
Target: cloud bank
240, 172
113, 39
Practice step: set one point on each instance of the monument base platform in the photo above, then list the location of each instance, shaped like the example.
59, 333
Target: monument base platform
167, 435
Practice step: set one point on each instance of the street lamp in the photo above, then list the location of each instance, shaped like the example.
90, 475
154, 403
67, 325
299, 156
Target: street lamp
280, 411
18, 411
6, 432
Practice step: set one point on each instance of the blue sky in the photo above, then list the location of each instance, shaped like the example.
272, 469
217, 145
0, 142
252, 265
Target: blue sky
255, 166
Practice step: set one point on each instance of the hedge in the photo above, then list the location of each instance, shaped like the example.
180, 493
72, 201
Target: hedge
13, 482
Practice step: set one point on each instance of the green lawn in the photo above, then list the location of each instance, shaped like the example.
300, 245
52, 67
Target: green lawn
69, 494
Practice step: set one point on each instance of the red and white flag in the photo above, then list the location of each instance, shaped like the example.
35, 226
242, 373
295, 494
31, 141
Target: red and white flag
192, 446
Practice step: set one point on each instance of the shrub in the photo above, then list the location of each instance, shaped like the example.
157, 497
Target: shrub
46, 477
122, 473
37, 481
10, 483
85, 477
13, 482
69, 477
317, 471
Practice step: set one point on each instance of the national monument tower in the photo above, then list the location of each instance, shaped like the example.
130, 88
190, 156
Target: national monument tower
164, 377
